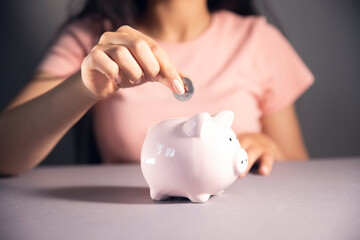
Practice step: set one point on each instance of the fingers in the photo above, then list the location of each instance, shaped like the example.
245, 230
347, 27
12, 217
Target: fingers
99, 61
139, 49
146, 59
266, 163
265, 160
245, 141
259, 153
126, 62
169, 76
254, 154
150, 56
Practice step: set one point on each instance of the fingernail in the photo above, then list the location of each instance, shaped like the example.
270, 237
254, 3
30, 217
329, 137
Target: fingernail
117, 80
264, 169
134, 81
138, 80
178, 87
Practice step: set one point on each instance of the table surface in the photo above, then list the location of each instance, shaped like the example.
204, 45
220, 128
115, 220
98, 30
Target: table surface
319, 199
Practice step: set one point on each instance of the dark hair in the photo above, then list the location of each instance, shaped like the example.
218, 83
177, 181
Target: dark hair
120, 12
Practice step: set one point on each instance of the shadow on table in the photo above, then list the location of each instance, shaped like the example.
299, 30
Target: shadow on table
107, 194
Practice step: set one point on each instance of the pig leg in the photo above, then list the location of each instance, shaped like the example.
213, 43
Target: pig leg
219, 193
200, 198
155, 195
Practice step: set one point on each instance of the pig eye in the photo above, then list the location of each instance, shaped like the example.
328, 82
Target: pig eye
245, 160
242, 161
230, 139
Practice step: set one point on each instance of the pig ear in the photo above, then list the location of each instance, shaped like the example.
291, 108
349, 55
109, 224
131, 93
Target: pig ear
226, 118
198, 125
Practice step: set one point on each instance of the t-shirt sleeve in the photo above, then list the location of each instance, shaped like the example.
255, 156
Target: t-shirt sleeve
285, 76
65, 55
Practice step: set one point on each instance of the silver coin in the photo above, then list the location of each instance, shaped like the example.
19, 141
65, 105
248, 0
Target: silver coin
189, 90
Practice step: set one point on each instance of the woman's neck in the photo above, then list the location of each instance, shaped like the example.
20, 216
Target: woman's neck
175, 20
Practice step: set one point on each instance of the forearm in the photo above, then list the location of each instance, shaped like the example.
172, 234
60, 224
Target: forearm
31, 130
283, 128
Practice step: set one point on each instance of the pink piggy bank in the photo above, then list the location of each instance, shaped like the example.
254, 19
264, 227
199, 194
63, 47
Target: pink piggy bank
194, 158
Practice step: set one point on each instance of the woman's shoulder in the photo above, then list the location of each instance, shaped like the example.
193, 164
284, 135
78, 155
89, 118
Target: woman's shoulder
83, 32
70, 45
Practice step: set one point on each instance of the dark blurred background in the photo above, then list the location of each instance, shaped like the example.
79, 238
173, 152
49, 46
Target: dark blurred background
326, 34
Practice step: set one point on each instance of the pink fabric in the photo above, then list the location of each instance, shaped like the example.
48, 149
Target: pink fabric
66, 54
239, 63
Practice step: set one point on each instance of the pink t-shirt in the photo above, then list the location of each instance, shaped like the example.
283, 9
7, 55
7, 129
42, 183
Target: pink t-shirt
238, 63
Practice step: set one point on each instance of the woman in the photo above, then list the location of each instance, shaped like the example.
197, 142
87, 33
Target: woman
238, 63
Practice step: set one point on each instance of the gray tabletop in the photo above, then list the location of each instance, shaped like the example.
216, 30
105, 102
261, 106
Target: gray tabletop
311, 200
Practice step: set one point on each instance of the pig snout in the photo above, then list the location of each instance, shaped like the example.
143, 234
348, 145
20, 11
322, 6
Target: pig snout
241, 161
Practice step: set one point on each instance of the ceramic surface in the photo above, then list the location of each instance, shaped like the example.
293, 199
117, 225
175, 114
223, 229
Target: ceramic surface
192, 157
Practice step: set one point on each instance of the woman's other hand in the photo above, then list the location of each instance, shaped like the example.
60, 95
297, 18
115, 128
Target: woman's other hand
261, 149
127, 58
281, 140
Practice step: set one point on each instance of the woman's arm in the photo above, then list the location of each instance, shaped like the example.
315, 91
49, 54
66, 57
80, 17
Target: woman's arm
38, 118
283, 127
281, 140
48, 107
